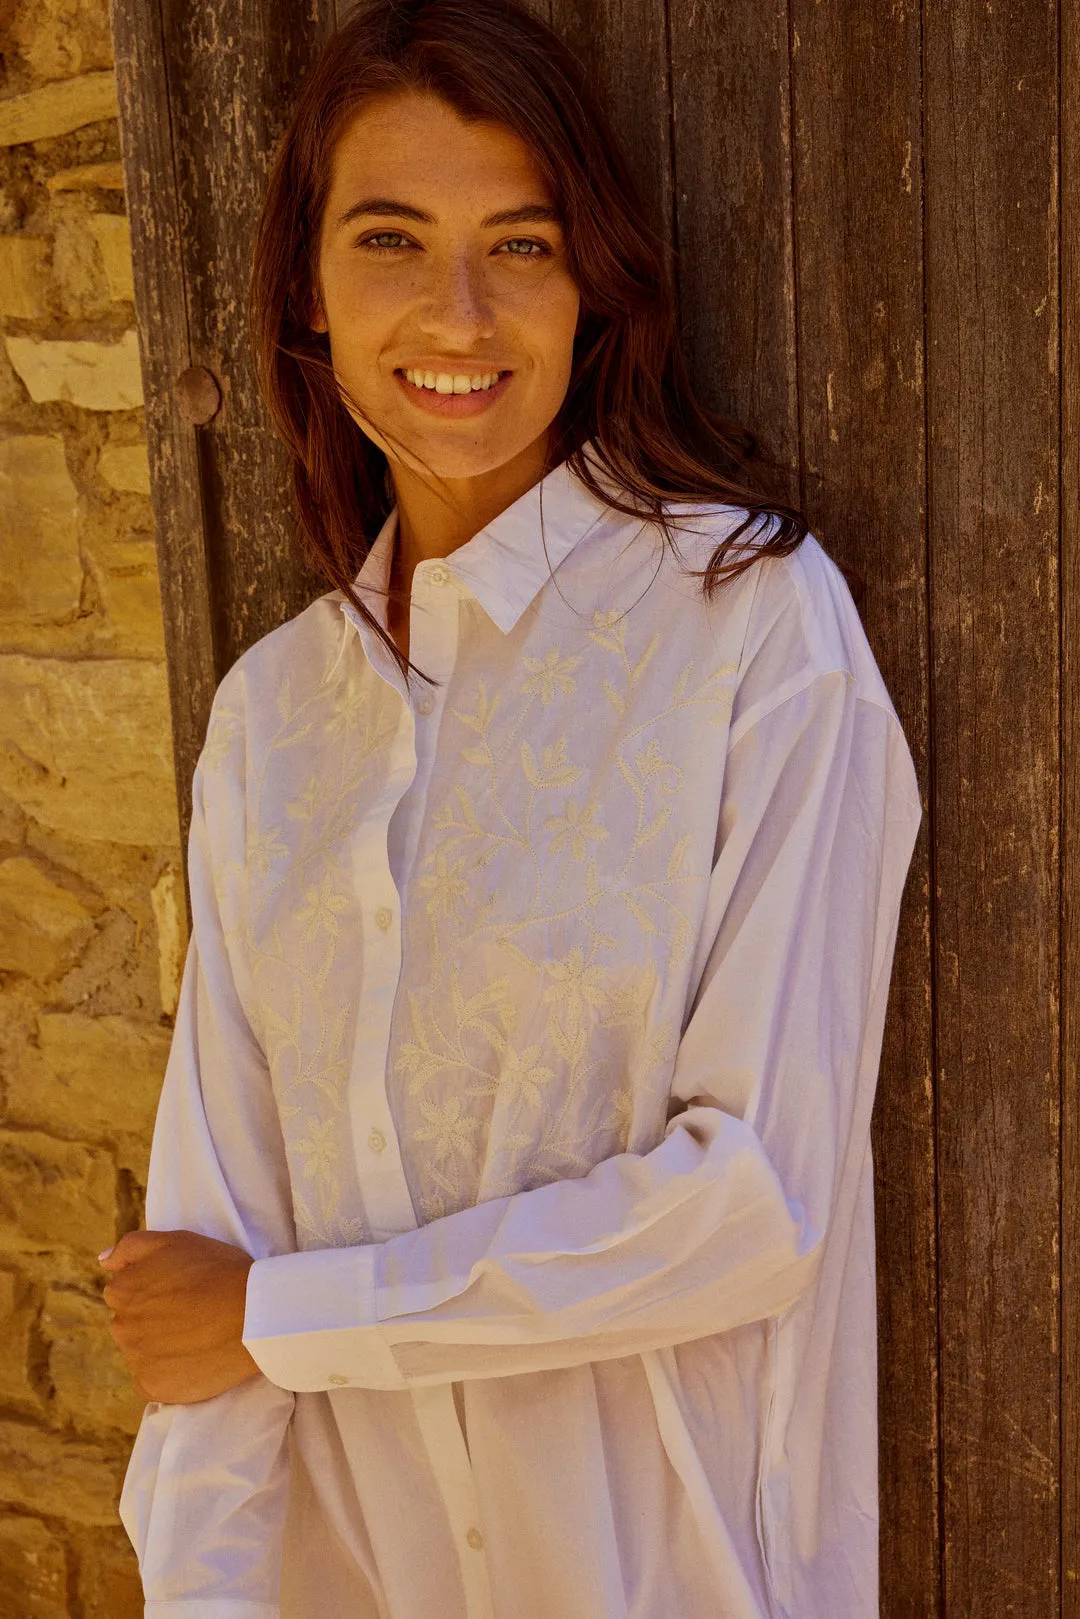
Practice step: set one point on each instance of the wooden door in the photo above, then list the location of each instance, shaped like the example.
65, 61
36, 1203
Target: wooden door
865, 202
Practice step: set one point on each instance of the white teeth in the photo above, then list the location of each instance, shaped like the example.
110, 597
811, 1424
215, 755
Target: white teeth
444, 383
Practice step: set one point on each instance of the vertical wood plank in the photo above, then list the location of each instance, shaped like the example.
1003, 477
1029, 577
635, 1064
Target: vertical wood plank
733, 221
623, 44
236, 68
1070, 851
157, 235
204, 94
991, 97
857, 152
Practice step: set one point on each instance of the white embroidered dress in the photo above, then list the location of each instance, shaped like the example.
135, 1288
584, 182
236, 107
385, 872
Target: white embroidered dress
528, 1039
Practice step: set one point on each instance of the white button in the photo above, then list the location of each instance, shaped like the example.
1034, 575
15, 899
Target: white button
426, 703
376, 1141
438, 575
384, 916
475, 1539
337, 1380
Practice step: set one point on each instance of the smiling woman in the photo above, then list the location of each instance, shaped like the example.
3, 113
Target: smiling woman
510, 1220
391, 241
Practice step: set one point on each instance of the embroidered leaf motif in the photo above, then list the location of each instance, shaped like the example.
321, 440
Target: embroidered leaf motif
639, 912
654, 827
677, 856
553, 770
617, 701
485, 711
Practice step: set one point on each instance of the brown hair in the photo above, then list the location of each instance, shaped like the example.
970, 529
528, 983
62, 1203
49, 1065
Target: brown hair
630, 396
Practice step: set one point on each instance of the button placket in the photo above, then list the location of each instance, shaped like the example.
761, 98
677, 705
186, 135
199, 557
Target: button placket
381, 1172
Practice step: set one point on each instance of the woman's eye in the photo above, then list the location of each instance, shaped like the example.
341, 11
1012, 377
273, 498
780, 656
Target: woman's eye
542, 248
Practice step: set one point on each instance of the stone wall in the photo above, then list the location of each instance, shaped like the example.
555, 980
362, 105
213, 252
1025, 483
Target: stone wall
91, 897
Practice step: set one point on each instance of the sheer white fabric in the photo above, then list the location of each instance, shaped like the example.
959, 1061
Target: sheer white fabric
528, 1039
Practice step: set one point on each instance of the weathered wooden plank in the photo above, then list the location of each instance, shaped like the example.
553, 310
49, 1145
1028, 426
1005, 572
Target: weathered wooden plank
733, 225
623, 46
236, 67
157, 238
857, 158
1070, 851
205, 92
991, 108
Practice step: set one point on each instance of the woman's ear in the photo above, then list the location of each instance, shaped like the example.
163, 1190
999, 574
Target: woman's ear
317, 321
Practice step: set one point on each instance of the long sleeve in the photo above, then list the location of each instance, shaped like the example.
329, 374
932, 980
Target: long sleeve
206, 1488
725, 1220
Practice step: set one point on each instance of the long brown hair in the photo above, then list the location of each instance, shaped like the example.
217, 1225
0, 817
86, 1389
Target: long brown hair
630, 396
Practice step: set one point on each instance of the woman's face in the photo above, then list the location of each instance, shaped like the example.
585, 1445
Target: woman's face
453, 291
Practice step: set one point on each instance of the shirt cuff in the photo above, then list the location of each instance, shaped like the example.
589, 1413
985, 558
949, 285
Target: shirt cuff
211, 1608
309, 1323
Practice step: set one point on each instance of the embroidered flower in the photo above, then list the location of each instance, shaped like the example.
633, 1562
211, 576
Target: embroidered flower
525, 1076
450, 1130
554, 670
445, 884
320, 1149
574, 982
323, 902
574, 825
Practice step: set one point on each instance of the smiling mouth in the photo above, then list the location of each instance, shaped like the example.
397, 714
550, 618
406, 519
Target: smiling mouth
429, 381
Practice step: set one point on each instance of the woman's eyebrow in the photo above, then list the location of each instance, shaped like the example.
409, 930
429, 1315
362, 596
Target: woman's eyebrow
532, 213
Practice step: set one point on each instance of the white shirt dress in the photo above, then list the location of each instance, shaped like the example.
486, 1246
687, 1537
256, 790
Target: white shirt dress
528, 1039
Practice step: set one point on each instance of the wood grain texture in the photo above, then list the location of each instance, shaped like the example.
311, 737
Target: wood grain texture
157, 235
205, 91
733, 219
623, 45
1070, 820
857, 159
991, 109
236, 67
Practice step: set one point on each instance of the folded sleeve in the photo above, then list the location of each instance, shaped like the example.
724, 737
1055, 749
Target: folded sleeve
724, 1222
206, 1488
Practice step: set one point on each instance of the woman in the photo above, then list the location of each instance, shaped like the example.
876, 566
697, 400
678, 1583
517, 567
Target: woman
510, 1242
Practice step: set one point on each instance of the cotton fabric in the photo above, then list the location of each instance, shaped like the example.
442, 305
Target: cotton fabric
528, 1038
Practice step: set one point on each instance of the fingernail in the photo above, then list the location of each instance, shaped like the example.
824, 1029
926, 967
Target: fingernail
106, 1254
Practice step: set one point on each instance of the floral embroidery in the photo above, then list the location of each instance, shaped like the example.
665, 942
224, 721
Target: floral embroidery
554, 895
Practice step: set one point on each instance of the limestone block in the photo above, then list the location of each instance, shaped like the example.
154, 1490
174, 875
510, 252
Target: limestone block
88, 177
44, 928
17, 1317
40, 569
23, 277
98, 376
170, 917
126, 574
33, 1571
89, 747
58, 108
98, 1077
109, 1585
56, 1193
57, 38
126, 467
90, 1380
58, 1477
114, 241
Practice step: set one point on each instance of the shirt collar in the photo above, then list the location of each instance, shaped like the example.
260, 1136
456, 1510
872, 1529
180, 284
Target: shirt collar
505, 565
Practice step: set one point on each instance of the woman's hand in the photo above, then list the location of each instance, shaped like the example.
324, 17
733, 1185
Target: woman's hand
178, 1302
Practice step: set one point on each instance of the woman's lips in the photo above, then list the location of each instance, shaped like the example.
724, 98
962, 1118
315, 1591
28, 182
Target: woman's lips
470, 404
